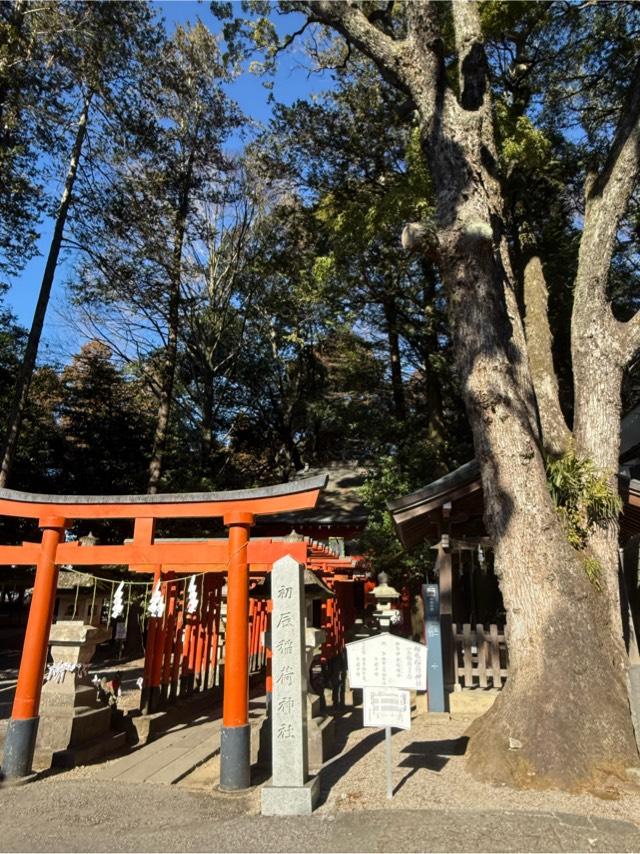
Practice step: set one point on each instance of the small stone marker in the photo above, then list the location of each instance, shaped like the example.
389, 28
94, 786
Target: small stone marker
290, 792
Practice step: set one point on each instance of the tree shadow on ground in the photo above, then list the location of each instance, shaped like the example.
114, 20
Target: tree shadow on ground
345, 722
430, 755
337, 767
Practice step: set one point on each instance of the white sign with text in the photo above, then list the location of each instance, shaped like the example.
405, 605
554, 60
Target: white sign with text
387, 661
388, 707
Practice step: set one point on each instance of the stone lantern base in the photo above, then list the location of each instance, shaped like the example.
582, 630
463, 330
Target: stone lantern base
74, 727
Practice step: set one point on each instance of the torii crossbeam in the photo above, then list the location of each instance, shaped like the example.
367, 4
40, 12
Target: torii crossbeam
56, 513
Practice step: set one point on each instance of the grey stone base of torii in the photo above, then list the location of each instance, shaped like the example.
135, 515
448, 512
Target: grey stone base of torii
290, 791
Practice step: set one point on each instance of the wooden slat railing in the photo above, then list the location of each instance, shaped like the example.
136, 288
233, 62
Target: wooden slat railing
480, 656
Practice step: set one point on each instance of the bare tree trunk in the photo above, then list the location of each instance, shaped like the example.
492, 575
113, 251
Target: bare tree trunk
433, 389
555, 433
35, 333
169, 363
397, 386
170, 359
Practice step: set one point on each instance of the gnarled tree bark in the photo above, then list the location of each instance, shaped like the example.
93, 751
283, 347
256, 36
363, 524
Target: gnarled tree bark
533, 735
555, 433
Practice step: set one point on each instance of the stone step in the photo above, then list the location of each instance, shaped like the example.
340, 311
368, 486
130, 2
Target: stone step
90, 725
185, 764
169, 758
151, 765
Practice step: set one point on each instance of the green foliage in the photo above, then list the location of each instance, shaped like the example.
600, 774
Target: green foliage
379, 539
524, 146
583, 498
593, 569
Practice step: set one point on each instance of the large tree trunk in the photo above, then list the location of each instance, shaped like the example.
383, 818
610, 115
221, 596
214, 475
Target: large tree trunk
433, 389
563, 718
25, 374
559, 635
170, 359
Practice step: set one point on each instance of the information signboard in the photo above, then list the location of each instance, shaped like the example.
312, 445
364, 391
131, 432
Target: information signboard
387, 661
387, 707
435, 678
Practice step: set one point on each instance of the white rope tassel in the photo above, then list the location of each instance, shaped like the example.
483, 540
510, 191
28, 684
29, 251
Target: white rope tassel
118, 602
156, 605
192, 596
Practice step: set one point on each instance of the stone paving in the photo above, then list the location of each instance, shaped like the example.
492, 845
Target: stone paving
58, 814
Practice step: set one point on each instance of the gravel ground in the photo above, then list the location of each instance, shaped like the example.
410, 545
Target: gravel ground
437, 806
429, 773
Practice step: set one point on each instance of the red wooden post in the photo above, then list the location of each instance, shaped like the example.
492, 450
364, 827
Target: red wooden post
22, 731
193, 645
235, 760
170, 638
187, 645
200, 639
208, 634
158, 656
269, 677
177, 655
216, 633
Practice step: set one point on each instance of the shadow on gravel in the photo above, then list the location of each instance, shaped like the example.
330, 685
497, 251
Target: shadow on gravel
432, 755
336, 768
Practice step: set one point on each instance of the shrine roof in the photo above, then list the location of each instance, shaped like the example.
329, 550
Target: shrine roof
415, 515
281, 497
290, 488
340, 501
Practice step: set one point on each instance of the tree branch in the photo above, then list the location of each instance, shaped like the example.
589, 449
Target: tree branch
472, 63
555, 434
606, 200
353, 24
631, 334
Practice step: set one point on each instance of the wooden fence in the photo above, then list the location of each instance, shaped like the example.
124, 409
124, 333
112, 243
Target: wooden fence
479, 655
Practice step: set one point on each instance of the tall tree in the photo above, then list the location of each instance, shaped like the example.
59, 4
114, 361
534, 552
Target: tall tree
155, 208
106, 418
436, 55
95, 48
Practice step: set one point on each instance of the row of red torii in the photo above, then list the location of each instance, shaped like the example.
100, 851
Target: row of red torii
170, 651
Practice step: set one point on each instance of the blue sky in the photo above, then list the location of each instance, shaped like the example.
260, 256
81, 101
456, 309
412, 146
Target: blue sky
292, 81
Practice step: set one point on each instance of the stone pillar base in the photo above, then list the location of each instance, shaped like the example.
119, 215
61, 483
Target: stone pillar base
290, 800
19, 746
235, 758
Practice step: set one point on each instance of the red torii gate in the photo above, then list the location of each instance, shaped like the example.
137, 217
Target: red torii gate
57, 513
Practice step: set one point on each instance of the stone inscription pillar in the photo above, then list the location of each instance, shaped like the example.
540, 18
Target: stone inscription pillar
290, 792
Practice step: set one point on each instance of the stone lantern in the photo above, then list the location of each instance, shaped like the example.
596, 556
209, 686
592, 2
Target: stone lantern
385, 595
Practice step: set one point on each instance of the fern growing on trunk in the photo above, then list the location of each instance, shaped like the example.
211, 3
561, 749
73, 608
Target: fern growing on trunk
583, 498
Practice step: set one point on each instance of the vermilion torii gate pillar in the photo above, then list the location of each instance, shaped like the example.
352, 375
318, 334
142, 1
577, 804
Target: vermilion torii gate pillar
56, 513
23, 726
235, 738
